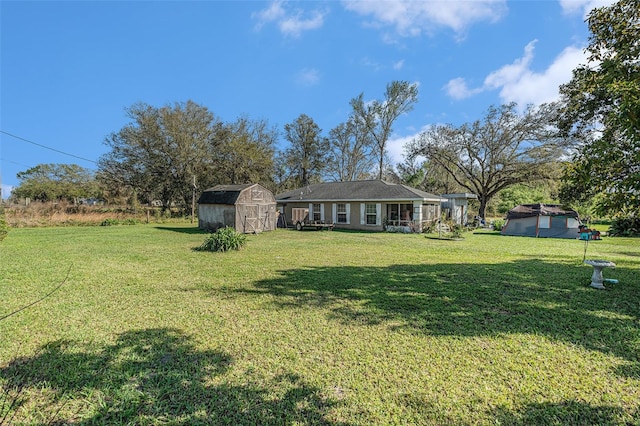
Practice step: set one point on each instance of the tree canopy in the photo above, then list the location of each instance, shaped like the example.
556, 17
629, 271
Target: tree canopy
161, 150
304, 161
51, 182
602, 108
489, 155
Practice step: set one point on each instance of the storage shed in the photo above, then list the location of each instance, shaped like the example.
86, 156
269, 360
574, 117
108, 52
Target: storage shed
249, 208
542, 220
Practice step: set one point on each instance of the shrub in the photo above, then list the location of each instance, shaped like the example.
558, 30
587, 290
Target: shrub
109, 222
224, 239
625, 227
457, 230
498, 224
4, 228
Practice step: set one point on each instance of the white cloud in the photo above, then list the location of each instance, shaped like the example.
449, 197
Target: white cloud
458, 89
290, 22
6, 190
412, 18
398, 65
517, 82
396, 144
308, 77
583, 6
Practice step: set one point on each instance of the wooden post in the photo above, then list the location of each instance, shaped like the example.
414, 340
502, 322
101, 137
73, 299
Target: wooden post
193, 199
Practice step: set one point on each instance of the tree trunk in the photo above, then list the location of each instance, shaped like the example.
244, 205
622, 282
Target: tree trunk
483, 206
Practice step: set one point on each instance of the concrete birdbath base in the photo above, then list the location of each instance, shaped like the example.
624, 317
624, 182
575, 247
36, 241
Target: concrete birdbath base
598, 265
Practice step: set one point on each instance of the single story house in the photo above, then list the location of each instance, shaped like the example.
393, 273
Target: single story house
249, 208
362, 205
542, 220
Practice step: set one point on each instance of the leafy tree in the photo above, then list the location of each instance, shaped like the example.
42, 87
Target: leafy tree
427, 176
305, 160
244, 152
161, 150
522, 193
351, 156
378, 116
503, 149
4, 228
50, 182
602, 107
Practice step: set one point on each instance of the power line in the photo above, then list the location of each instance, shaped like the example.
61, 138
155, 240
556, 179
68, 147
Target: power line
47, 147
13, 162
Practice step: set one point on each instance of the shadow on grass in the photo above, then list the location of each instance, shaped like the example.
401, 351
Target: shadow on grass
185, 230
564, 413
149, 376
526, 296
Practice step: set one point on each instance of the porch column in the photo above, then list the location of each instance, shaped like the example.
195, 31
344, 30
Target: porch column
417, 212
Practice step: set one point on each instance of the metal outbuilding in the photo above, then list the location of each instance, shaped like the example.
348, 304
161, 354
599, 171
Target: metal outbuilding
249, 208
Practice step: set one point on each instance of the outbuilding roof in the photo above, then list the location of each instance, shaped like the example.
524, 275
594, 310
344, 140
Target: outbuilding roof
223, 194
362, 190
529, 210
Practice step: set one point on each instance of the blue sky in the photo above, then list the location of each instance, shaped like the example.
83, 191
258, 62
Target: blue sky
69, 69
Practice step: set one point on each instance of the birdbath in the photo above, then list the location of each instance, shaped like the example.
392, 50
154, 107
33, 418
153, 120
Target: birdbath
598, 266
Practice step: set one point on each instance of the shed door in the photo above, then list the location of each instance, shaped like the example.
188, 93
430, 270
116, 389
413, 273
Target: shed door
250, 220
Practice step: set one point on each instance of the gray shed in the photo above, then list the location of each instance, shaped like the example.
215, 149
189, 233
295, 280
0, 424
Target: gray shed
542, 220
249, 208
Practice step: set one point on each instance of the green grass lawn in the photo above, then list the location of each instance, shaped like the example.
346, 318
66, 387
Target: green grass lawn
298, 328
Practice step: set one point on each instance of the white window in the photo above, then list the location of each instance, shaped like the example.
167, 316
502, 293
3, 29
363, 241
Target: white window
370, 212
341, 215
544, 222
317, 216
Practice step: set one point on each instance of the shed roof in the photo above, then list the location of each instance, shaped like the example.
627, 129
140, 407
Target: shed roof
223, 194
362, 190
529, 210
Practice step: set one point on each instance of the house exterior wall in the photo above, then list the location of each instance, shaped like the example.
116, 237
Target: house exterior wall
361, 215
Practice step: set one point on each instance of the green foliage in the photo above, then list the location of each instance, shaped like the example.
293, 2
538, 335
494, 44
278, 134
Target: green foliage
457, 230
245, 152
506, 147
224, 239
112, 222
305, 160
498, 224
4, 228
522, 193
51, 182
602, 110
625, 227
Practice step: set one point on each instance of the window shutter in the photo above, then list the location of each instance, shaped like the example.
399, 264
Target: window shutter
378, 214
362, 210
322, 212
334, 215
310, 212
348, 206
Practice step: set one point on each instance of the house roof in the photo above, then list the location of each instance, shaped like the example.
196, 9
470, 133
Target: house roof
361, 190
529, 210
223, 194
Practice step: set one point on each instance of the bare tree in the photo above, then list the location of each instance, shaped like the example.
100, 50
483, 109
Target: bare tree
378, 116
351, 157
503, 149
